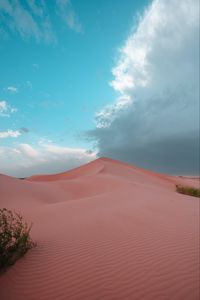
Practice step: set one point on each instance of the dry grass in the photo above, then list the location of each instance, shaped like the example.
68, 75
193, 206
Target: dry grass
188, 190
15, 238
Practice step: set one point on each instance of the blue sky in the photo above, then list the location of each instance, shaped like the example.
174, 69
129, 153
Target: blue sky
75, 76
61, 83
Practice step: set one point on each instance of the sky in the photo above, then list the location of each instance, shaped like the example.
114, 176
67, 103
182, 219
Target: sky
84, 79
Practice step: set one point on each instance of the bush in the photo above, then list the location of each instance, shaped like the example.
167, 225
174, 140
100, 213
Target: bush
15, 240
188, 190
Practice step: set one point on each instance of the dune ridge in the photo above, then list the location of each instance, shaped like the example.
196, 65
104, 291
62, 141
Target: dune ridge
105, 231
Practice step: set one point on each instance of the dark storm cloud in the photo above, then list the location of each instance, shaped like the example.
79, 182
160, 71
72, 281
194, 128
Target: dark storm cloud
24, 130
157, 126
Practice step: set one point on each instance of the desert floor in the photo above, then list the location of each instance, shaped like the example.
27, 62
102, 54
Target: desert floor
104, 231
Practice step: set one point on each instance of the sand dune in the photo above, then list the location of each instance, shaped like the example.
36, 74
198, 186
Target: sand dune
105, 231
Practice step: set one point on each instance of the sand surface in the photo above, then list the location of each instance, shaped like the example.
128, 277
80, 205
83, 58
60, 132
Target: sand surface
105, 231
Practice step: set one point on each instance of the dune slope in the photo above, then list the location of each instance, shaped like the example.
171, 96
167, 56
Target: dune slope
105, 231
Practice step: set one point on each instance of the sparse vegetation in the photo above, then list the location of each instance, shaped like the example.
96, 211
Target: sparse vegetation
15, 238
188, 190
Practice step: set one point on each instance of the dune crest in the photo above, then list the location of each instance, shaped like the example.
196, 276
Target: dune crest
105, 230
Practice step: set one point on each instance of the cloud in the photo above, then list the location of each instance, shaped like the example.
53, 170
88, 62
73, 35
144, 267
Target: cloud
32, 19
154, 122
25, 159
12, 89
27, 151
35, 8
9, 133
6, 109
27, 22
67, 13
24, 130
107, 115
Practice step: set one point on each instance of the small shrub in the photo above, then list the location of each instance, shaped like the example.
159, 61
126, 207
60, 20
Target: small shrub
188, 190
15, 240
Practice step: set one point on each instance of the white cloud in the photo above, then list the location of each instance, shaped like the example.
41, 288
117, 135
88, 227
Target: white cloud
106, 116
12, 89
3, 107
6, 109
67, 13
9, 133
28, 151
35, 8
157, 74
32, 22
33, 19
25, 159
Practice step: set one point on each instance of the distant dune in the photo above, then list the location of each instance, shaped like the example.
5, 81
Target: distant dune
105, 231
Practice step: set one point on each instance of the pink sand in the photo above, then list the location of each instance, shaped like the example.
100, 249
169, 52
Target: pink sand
105, 231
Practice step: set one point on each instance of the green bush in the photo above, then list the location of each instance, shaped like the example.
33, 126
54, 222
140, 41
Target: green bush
188, 190
15, 238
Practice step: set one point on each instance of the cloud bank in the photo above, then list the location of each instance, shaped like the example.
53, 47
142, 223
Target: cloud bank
154, 122
25, 160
